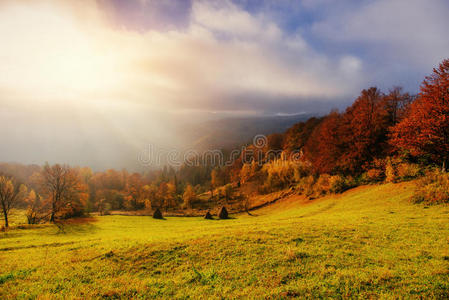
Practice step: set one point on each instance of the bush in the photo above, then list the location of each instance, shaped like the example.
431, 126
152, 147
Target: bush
407, 171
432, 188
301, 169
321, 186
282, 173
104, 208
107, 209
397, 170
373, 175
390, 172
339, 184
390, 169
324, 185
305, 185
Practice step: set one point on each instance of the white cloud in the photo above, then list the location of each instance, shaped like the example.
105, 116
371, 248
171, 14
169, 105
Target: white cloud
224, 54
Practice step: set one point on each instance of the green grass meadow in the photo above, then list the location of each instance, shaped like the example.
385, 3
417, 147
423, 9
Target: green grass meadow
370, 242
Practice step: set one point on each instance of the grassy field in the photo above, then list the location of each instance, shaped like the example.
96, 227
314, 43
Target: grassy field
369, 242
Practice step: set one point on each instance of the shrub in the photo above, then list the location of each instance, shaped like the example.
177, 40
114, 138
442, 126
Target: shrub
390, 169
282, 173
432, 188
374, 175
279, 173
407, 171
301, 169
390, 172
305, 185
104, 208
321, 186
338, 184
107, 209
324, 185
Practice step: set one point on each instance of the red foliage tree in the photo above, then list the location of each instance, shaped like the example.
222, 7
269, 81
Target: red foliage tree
364, 132
296, 137
425, 130
324, 146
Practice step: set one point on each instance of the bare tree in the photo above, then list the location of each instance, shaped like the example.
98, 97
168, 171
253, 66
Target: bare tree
62, 186
10, 193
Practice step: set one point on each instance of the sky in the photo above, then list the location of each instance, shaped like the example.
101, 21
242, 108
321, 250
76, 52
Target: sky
92, 82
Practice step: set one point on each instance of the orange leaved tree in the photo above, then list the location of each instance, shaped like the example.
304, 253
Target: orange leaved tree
425, 129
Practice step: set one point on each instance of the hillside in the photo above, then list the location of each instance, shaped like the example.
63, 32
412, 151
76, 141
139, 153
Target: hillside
229, 133
367, 242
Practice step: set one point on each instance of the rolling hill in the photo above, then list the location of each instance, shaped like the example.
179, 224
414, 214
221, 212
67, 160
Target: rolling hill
369, 242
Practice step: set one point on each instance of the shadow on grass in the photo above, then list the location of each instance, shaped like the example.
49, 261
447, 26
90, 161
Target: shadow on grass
218, 219
76, 226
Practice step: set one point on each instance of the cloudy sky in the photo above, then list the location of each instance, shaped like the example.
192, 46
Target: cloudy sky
80, 79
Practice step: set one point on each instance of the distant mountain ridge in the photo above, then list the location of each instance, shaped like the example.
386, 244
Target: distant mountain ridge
228, 133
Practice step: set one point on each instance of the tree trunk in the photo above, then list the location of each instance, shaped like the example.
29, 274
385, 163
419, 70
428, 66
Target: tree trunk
247, 206
52, 217
6, 219
443, 167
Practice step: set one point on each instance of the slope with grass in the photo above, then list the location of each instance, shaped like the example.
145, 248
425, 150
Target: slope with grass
368, 242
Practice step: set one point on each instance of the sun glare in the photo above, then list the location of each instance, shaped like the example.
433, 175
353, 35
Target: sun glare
57, 58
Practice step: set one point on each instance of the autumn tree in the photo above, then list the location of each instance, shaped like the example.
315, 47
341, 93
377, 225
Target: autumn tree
64, 190
161, 194
396, 104
364, 130
213, 182
110, 187
10, 194
135, 192
189, 196
425, 129
150, 192
85, 174
297, 136
21, 173
245, 173
324, 147
36, 211
170, 197
228, 191
273, 148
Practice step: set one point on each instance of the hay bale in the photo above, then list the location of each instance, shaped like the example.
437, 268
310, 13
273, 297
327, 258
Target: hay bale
208, 216
223, 213
157, 214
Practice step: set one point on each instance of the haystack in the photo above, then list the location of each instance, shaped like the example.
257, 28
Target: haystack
157, 214
223, 213
208, 216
